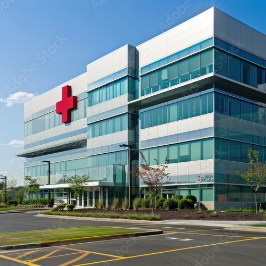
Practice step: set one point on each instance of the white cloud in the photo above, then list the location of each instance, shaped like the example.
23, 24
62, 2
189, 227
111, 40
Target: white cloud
14, 143
17, 98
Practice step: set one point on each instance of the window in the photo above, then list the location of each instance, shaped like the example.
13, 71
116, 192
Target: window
195, 150
221, 104
234, 68
172, 111
246, 111
162, 155
221, 63
234, 109
184, 154
206, 62
246, 72
173, 154
194, 66
183, 70
108, 126
153, 156
173, 74
207, 149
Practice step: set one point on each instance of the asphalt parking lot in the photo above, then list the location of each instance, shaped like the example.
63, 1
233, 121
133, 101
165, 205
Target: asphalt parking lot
177, 246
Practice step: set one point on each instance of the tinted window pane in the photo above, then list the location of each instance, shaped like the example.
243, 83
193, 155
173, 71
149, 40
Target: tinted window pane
234, 107
184, 152
207, 149
221, 63
195, 150
173, 154
246, 111
234, 68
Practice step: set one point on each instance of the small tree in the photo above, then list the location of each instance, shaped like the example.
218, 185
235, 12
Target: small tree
256, 174
33, 185
153, 177
76, 184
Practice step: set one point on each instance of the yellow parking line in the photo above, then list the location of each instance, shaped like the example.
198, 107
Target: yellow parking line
16, 260
24, 254
45, 256
76, 259
62, 255
93, 252
172, 250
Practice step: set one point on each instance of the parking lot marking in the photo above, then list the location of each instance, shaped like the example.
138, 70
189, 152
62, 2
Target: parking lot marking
17, 260
172, 250
96, 253
76, 259
45, 256
24, 254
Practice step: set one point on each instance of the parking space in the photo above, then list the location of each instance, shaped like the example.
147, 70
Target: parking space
175, 247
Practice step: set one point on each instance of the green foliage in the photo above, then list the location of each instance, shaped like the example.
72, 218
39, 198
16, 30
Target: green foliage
265, 216
186, 203
186, 216
145, 203
240, 210
170, 204
214, 214
105, 215
115, 204
59, 207
178, 197
12, 202
76, 184
160, 202
136, 204
70, 207
199, 211
100, 204
192, 197
125, 204
33, 185
41, 201
2, 205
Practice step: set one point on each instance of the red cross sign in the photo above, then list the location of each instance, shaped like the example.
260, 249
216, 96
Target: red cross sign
67, 104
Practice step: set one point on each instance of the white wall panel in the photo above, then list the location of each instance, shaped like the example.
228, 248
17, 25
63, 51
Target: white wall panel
207, 166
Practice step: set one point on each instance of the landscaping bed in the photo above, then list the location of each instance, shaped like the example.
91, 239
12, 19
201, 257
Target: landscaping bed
190, 214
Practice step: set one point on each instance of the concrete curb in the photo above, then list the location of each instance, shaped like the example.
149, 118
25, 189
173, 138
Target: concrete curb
247, 228
97, 219
23, 210
80, 240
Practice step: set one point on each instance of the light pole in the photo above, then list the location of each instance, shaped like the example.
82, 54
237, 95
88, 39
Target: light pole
49, 176
129, 175
5, 177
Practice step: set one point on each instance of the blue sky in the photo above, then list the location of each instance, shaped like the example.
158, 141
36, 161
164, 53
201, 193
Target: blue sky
88, 29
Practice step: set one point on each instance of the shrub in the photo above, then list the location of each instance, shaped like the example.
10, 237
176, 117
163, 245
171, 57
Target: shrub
3, 205
214, 214
192, 197
170, 204
160, 202
178, 197
70, 207
59, 207
265, 216
115, 204
43, 201
199, 211
136, 204
12, 202
125, 204
186, 203
145, 203
100, 204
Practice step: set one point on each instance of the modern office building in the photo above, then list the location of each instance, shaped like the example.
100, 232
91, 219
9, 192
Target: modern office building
194, 94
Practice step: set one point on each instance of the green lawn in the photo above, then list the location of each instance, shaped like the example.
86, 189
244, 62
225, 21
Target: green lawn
7, 209
58, 234
105, 215
259, 225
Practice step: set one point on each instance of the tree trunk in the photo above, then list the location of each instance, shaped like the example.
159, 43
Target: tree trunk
256, 202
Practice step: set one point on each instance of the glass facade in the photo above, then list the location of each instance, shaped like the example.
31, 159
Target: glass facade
110, 166
108, 126
180, 110
184, 70
52, 120
202, 149
238, 69
112, 90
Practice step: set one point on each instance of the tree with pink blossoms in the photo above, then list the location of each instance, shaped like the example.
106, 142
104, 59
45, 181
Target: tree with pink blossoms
153, 177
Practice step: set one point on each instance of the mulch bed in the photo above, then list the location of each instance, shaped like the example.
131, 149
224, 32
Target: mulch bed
184, 214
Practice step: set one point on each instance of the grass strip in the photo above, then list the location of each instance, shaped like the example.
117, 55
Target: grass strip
105, 215
40, 236
7, 209
259, 225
